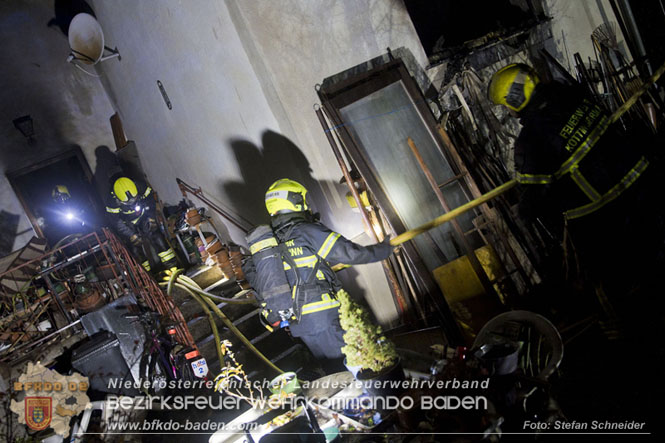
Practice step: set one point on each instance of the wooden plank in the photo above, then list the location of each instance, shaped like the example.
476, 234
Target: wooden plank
118, 132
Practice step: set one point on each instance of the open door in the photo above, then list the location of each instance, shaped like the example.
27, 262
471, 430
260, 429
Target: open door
393, 141
56, 215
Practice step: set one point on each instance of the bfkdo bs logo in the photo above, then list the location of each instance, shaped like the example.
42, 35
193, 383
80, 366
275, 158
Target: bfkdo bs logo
38, 412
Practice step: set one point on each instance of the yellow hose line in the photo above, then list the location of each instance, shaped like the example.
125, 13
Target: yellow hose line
633, 98
408, 235
191, 284
213, 326
229, 324
211, 321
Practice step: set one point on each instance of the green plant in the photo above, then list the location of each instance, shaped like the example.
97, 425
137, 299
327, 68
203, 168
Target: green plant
366, 346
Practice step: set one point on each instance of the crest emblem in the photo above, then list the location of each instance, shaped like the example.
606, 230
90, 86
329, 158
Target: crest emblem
38, 412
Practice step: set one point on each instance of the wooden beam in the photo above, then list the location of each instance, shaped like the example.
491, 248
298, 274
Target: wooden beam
118, 132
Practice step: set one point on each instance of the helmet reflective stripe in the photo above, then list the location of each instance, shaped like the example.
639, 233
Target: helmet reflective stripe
516, 96
125, 189
513, 86
277, 194
285, 196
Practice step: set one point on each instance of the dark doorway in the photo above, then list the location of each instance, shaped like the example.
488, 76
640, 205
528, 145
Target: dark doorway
445, 25
74, 206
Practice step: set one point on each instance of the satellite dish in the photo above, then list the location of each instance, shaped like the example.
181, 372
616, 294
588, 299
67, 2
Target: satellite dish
86, 41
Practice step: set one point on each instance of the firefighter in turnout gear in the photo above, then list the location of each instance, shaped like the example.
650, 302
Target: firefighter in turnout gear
309, 249
585, 179
572, 162
132, 208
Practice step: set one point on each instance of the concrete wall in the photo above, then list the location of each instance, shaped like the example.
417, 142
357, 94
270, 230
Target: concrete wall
293, 45
241, 77
69, 108
572, 25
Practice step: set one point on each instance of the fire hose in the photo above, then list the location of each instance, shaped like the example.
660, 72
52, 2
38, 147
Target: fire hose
203, 299
408, 235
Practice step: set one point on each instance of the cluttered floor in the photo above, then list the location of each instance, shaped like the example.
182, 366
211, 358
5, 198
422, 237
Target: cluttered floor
522, 374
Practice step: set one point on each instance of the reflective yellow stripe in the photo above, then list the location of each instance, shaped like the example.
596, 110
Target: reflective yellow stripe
325, 303
113, 210
584, 185
147, 192
327, 245
166, 255
572, 161
571, 165
146, 265
263, 244
128, 212
304, 262
613, 193
533, 179
584, 149
167, 258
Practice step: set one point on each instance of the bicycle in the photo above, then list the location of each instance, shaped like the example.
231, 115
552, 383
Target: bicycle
158, 365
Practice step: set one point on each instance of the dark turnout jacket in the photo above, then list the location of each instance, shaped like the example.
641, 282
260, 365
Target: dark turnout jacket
314, 249
622, 168
126, 218
557, 124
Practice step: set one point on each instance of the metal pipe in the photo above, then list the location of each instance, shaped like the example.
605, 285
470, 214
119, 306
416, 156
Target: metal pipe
475, 192
46, 337
392, 278
635, 31
243, 225
414, 295
55, 295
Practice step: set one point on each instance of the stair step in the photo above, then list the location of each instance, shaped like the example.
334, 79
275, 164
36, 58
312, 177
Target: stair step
217, 284
208, 276
201, 328
289, 360
260, 337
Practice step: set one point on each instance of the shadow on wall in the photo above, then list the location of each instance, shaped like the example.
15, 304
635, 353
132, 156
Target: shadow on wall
9, 223
259, 167
106, 165
65, 10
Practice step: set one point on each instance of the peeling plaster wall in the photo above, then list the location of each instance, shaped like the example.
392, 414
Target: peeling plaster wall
68, 107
